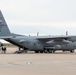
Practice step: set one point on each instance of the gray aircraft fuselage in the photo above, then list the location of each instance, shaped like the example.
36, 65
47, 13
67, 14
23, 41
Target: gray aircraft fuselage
32, 44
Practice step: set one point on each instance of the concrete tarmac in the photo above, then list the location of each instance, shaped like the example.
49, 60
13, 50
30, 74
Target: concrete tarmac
59, 63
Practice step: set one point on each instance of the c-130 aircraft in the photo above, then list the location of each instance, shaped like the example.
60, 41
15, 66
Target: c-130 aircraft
33, 43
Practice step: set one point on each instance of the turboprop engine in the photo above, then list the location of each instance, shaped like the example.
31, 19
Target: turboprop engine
61, 42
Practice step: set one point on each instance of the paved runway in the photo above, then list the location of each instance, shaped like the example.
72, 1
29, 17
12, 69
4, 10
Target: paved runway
60, 63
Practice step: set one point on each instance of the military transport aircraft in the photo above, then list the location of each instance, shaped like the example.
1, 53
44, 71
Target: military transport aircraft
33, 43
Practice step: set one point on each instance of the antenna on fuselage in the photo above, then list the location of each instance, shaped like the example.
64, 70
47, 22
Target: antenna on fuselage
66, 32
37, 33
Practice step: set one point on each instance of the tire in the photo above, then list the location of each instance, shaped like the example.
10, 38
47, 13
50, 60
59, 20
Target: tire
53, 51
25, 51
72, 51
36, 51
50, 51
63, 50
45, 51
41, 51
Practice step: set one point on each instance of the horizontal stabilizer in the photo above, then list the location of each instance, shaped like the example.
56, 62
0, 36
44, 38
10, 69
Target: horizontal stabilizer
5, 37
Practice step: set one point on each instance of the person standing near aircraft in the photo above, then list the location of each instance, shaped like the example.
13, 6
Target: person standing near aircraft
4, 50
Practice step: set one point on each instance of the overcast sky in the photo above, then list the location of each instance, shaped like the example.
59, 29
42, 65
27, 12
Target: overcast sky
50, 17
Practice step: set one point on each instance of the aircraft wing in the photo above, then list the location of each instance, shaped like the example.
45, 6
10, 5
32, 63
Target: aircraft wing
48, 39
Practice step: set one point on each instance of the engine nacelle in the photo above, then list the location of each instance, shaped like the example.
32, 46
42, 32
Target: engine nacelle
72, 39
57, 46
59, 42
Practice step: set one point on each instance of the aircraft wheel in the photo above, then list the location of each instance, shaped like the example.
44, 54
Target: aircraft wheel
63, 50
50, 51
41, 51
25, 51
36, 51
53, 51
72, 51
45, 51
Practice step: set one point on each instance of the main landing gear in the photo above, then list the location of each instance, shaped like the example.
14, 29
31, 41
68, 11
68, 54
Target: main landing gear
72, 51
45, 51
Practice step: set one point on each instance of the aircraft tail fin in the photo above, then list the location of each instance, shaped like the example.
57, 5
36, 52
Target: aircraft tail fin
4, 30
